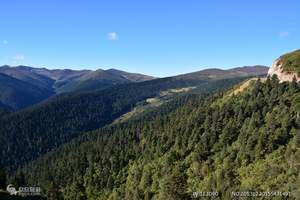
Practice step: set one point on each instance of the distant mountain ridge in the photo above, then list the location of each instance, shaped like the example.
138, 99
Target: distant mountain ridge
16, 93
43, 83
215, 73
37, 84
101, 79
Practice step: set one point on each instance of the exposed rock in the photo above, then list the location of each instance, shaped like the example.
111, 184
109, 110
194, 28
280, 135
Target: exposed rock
277, 69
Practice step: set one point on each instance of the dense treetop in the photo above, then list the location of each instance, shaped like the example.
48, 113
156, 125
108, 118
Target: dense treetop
28, 134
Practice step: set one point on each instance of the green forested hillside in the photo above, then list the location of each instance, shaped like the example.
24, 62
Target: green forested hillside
244, 142
27, 134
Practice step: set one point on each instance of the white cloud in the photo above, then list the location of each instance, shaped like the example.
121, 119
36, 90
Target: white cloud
19, 57
4, 42
284, 34
113, 36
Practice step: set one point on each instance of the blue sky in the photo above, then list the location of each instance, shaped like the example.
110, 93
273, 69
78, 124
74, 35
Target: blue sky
155, 37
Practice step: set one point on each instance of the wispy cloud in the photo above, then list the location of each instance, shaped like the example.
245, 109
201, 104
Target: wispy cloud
284, 34
4, 42
19, 57
113, 36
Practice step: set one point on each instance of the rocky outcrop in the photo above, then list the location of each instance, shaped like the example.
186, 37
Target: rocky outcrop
277, 69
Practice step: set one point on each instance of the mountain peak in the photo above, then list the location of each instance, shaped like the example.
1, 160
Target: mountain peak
114, 70
133, 77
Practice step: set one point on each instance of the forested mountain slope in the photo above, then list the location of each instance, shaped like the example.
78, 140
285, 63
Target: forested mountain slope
28, 75
101, 79
217, 74
16, 94
244, 142
66, 80
24, 86
27, 134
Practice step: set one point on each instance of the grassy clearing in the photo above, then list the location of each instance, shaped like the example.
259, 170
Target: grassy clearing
164, 96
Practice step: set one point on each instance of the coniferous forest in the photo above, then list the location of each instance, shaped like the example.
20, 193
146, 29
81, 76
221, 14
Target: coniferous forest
149, 100
45, 126
219, 143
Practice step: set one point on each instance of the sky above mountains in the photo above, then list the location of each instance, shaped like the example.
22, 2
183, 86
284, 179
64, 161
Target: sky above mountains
159, 38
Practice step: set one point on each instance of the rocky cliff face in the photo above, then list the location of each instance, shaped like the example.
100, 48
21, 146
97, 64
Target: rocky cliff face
282, 75
286, 67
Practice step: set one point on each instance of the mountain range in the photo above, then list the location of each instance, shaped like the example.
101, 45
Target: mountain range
23, 86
